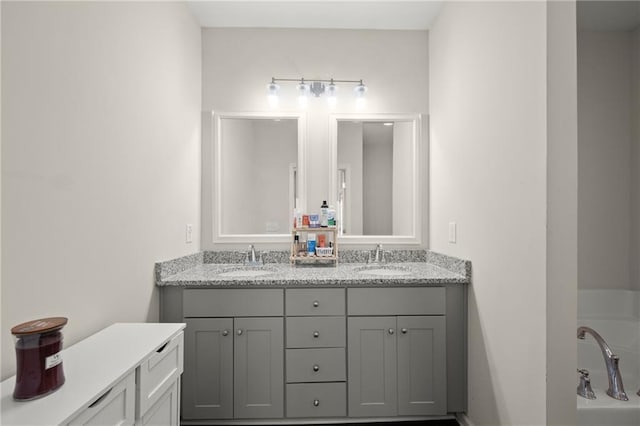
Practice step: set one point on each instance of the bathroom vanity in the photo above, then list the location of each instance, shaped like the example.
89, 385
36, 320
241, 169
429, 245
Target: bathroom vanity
351, 341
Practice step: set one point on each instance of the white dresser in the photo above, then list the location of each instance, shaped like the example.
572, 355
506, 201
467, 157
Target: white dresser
126, 374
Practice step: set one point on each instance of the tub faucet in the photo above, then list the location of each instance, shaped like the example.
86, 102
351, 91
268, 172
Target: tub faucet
378, 257
616, 388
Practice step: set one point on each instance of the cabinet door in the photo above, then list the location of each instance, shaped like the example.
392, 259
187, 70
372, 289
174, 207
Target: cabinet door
207, 381
422, 365
259, 368
372, 366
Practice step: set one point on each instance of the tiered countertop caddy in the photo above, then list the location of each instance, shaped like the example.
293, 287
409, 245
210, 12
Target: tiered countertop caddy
331, 231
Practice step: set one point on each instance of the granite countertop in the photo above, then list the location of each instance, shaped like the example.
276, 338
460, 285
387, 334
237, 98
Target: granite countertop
206, 270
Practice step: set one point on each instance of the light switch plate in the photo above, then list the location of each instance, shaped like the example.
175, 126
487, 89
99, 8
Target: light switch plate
189, 233
452, 232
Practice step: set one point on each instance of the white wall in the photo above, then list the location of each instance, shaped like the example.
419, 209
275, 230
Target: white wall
238, 64
604, 134
635, 167
488, 173
377, 177
402, 178
350, 156
100, 159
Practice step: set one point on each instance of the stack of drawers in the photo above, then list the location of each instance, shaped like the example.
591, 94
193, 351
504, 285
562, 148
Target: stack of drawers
315, 354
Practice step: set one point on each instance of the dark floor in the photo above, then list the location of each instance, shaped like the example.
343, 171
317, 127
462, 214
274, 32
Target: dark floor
450, 422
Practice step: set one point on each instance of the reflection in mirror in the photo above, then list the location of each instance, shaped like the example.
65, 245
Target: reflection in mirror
376, 177
257, 174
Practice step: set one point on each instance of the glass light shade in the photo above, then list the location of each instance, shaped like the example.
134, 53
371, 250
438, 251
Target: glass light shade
272, 94
332, 91
361, 100
303, 94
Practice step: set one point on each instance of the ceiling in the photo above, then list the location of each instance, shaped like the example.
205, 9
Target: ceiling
600, 15
378, 15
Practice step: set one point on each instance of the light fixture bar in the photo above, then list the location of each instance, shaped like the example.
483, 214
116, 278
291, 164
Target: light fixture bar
317, 88
274, 80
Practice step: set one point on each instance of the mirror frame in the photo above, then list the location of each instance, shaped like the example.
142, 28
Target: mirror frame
216, 207
416, 237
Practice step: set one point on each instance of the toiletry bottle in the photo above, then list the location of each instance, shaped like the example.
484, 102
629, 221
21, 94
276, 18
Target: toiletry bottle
324, 214
331, 216
311, 244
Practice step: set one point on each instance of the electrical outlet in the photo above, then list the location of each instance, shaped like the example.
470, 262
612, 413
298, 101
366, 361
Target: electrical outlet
189, 233
452, 232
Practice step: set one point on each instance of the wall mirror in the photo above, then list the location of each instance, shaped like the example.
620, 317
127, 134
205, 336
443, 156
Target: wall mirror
375, 176
258, 178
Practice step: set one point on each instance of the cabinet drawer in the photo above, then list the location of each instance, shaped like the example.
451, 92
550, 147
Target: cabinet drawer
315, 302
206, 302
159, 371
396, 301
316, 365
316, 332
317, 400
116, 406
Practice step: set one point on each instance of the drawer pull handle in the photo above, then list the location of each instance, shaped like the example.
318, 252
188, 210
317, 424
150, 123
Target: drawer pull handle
239, 332
316, 367
225, 332
316, 402
316, 303
159, 350
404, 331
99, 400
391, 331
316, 334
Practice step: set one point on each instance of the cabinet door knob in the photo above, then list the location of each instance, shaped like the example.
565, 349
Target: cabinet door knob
404, 331
316, 334
391, 331
239, 332
316, 367
316, 303
225, 332
316, 402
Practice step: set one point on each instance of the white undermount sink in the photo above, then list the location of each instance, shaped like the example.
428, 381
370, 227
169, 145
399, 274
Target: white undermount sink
384, 270
246, 272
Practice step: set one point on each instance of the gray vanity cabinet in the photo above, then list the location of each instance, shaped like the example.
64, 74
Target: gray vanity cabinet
234, 363
397, 363
332, 352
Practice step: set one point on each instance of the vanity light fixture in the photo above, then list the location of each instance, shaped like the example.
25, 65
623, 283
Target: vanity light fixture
317, 88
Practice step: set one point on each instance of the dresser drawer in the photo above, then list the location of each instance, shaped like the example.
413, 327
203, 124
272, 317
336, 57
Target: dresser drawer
116, 406
315, 302
396, 301
207, 302
316, 365
316, 332
159, 372
317, 400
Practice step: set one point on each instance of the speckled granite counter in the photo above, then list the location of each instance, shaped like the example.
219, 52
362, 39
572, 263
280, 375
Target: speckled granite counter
405, 268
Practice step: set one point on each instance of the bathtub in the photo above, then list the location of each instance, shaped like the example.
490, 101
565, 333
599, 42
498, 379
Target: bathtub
615, 314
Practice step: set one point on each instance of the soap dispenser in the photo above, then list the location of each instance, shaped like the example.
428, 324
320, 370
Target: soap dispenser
324, 214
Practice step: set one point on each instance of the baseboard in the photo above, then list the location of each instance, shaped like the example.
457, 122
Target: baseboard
463, 419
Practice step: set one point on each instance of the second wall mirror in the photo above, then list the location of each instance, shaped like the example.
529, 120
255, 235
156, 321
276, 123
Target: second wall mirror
376, 177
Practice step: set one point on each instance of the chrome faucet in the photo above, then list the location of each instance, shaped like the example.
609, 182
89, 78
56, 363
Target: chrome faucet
584, 387
252, 259
378, 257
616, 388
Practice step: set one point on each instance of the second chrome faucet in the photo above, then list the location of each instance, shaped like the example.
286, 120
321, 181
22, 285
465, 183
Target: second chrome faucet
616, 388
